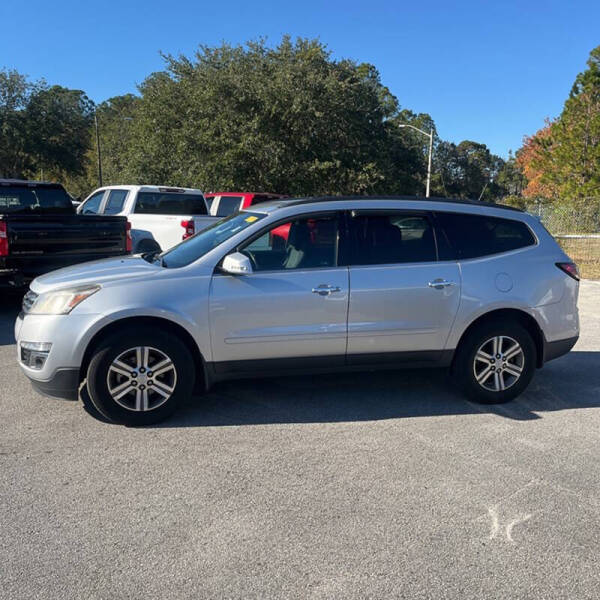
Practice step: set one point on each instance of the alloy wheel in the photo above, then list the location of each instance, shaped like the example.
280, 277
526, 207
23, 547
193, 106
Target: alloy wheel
498, 363
141, 378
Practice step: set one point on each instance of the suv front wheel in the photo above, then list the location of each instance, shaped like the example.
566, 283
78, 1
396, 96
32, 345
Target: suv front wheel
495, 362
140, 376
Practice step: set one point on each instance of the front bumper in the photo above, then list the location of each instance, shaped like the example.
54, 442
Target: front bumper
64, 384
69, 335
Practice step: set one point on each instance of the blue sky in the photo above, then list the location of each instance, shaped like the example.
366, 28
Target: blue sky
486, 71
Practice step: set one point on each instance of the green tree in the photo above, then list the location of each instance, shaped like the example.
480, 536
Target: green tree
42, 129
467, 170
15, 92
57, 124
288, 119
563, 159
511, 178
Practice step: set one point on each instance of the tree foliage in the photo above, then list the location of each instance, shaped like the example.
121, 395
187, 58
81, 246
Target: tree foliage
42, 128
562, 160
469, 170
288, 119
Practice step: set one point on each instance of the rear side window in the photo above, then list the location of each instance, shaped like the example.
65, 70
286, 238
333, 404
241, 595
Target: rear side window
228, 205
380, 239
116, 200
470, 236
165, 203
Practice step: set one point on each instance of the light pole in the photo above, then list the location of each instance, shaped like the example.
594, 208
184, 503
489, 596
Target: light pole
98, 149
430, 136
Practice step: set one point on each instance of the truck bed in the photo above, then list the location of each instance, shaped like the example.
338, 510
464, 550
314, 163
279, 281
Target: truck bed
38, 244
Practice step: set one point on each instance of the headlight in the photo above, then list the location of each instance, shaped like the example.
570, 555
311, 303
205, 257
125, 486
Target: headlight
61, 302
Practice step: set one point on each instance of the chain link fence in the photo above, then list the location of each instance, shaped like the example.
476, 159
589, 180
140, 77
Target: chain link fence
577, 230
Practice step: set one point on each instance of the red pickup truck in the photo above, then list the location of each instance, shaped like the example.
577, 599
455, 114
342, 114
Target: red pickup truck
222, 204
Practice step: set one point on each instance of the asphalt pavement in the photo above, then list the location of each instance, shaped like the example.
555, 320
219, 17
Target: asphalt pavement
376, 485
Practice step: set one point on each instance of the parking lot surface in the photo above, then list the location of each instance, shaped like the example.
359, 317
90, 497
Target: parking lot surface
376, 485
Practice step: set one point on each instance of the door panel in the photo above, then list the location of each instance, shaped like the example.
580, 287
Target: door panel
394, 309
276, 315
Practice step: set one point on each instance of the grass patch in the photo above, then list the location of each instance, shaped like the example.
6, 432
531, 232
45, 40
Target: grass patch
586, 253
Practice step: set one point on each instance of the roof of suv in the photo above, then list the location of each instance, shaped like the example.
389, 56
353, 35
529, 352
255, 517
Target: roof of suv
267, 206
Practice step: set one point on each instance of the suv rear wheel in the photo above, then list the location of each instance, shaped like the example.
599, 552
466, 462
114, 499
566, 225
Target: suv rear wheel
495, 362
140, 376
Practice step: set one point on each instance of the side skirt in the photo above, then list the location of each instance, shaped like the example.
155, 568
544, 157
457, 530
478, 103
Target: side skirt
279, 367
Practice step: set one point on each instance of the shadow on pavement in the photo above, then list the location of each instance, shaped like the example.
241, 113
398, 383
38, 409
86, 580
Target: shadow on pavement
572, 381
10, 305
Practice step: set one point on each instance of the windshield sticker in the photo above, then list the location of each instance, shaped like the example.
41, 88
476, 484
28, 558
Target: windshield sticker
251, 219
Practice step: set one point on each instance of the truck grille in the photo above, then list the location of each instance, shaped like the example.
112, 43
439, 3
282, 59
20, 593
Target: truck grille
28, 300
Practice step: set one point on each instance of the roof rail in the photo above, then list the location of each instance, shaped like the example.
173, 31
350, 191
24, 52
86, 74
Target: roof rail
308, 200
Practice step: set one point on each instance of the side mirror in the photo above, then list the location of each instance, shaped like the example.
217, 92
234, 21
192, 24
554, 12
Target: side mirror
237, 264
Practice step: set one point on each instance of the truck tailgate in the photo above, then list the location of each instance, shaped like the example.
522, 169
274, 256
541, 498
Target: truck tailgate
38, 244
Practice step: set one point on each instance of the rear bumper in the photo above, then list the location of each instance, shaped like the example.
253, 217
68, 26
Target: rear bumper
12, 278
64, 384
558, 348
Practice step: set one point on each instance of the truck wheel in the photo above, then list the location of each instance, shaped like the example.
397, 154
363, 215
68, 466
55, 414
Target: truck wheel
495, 362
140, 376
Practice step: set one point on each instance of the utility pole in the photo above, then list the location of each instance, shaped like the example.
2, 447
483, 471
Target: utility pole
430, 136
429, 163
98, 150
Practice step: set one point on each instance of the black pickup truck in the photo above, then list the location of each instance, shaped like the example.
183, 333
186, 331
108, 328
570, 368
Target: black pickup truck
40, 232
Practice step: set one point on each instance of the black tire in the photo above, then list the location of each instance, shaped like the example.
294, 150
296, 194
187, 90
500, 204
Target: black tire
145, 246
465, 367
113, 347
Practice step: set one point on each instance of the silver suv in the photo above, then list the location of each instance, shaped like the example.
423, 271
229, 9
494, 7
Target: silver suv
328, 284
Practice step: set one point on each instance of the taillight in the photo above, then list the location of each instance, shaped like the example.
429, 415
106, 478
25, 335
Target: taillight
570, 269
128, 239
3, 240
190, 229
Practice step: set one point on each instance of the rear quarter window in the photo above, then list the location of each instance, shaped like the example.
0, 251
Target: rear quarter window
470, 236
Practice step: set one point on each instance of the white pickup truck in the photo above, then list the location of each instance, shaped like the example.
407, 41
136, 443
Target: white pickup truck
160, 216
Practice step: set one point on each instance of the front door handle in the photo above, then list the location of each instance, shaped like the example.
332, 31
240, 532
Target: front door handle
325, 290
440, 284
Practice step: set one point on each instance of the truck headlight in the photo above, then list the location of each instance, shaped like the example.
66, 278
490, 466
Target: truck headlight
61, 302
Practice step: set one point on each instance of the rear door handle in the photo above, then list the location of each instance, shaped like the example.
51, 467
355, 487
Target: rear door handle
439, 284
325, 290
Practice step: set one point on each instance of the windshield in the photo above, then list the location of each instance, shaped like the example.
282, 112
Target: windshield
25, 200
206, 240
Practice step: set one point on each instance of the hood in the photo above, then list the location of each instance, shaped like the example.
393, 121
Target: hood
97, 271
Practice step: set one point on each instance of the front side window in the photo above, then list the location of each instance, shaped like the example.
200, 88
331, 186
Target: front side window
390, 238
228, 205
92, 206
471, 236
116, 201
304, 243
170, 203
